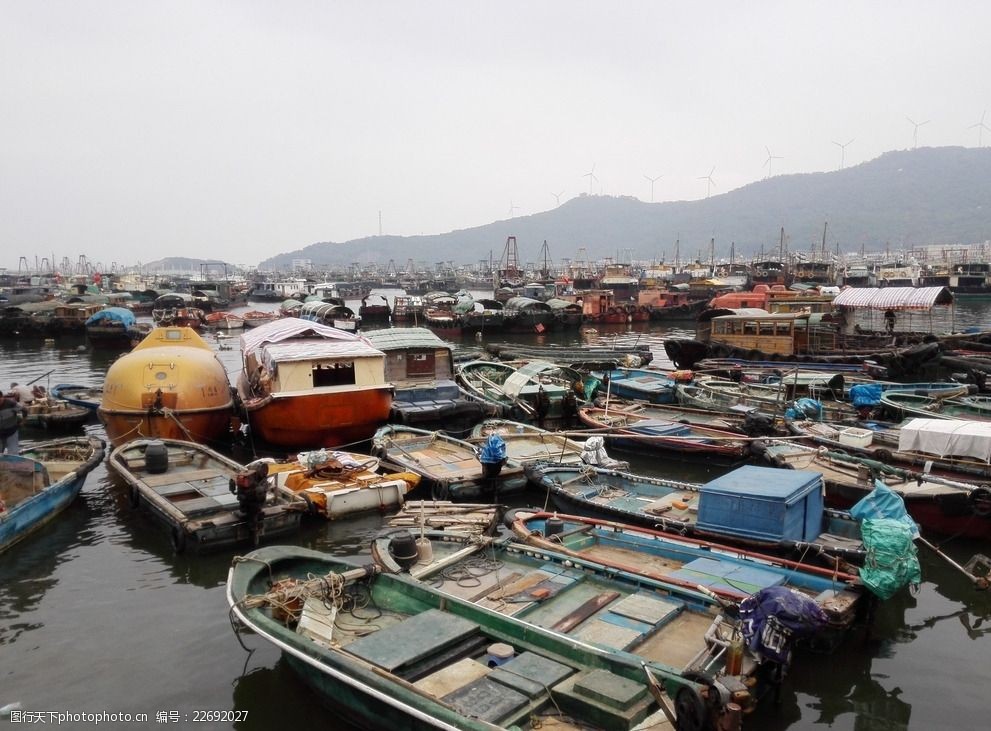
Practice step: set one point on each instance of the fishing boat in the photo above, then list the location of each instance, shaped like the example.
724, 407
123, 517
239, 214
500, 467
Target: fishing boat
761, 508
407, 309
730, 572
519, 391
528, 443
374, 308
421, 368
907, 404
451, 468
639, 384
115, 327
331, 312
177, 309
54, 415
306, 385
462, 518
523, 314
593, 356
41, 482
205, 499
742, 423
78, 395
334, 484
172, 386
432, 660
942, 504
254, 318
223, 321
438, 314
726, 395
633, 430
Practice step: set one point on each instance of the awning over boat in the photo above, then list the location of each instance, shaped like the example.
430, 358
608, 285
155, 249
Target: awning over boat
288, 328
530, 373
947, 437
401, 338
113, 314
525, 303
893, 298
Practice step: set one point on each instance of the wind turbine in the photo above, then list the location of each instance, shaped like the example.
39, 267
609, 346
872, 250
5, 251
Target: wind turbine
842, 150
915, 133
709, 181
512, 208
767, 162
652, 181
591, 176
557, 197
980, 128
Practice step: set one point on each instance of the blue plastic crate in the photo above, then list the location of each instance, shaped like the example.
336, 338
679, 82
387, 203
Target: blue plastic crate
763, 503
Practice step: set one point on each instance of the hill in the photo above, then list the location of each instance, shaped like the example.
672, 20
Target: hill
904, 198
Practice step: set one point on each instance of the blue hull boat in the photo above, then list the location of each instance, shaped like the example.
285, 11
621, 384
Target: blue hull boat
41, 482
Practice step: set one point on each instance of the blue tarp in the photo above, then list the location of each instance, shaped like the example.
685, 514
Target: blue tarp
888, 533
804, 408
494, 450
113, 314
865, 394
883, 502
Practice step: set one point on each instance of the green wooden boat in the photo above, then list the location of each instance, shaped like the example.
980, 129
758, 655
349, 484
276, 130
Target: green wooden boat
907, 404
389, 651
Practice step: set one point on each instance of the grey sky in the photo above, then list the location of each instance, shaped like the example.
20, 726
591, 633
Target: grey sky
133, 130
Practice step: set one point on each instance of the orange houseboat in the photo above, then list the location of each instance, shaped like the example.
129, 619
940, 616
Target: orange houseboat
306, 385
768, 297
171, 385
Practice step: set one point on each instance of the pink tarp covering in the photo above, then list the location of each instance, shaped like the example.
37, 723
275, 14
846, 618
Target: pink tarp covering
288, 328
893, 298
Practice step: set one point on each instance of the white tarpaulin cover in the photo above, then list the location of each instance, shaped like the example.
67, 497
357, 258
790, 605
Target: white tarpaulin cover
893, 298
288, 328
947, 437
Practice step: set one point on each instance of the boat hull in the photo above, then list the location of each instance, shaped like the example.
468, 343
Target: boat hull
203, 426
314, 419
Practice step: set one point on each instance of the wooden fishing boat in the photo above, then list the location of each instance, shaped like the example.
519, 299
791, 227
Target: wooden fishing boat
593, 355
78, 395
254, 318
527, 443
726, 395
41, 482
450, 467
633, 430
54, 415
905, 404
115, 327
940, 504
732, 573
638, 384
374, 308
334, 485
755, 507
420, 366
305, 385
330, 311
436, 515
729, 421
431, 660
205, 499
518, 391
176, 309
172, 386
523, 314
223, 321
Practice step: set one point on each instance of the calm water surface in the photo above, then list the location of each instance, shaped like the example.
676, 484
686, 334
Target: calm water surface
98, 615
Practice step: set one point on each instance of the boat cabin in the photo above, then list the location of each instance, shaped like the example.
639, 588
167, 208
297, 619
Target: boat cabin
784, 333
413, 355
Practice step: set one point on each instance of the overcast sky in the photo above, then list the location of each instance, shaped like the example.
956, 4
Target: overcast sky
236, 130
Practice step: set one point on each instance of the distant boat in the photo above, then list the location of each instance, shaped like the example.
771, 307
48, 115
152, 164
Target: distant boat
374, 308
54, 415
223, 321
171, 385
115, 327
306, 385
450, 468
41, 482
205, 499
903, 404
176, 309
254, 318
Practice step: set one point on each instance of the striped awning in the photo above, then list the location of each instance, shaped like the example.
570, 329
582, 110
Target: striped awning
893, 298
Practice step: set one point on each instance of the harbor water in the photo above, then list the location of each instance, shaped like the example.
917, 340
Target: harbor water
99, 616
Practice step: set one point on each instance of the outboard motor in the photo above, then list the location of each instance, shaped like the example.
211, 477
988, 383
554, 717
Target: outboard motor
251, 488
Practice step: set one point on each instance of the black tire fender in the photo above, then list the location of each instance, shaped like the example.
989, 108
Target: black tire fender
177, 536
980, 500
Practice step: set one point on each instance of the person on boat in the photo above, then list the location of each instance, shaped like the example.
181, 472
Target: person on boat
24, 394
569, 409
889, 320
11, 415
543, 406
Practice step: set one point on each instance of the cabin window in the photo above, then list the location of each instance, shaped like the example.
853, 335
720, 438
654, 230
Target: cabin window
750, 328
766, 328
333, 374
783, 329
420, 363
